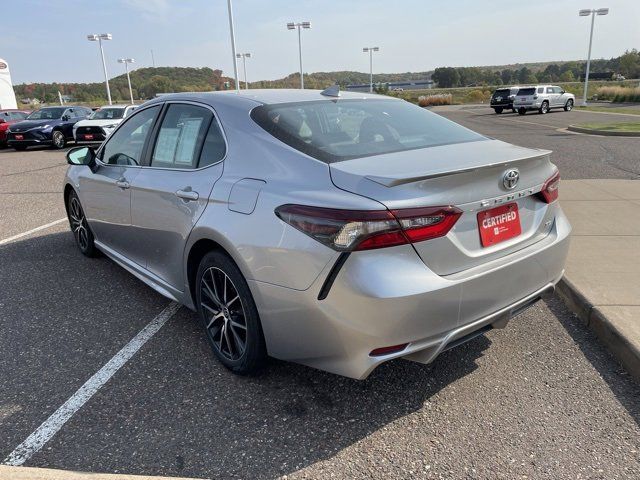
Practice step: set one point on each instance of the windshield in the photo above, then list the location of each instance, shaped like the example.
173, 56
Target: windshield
107, 114
526, 91
47, 114
332, 131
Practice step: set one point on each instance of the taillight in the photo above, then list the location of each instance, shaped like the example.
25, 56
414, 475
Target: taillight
549, 192
348, 230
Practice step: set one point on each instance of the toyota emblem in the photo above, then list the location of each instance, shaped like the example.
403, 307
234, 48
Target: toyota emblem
510, 179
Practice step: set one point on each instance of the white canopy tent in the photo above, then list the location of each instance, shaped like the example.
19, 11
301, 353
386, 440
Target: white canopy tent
7, 96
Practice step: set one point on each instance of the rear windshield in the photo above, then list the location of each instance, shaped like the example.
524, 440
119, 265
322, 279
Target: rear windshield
502, 91
332, 131
107, 114
526, 91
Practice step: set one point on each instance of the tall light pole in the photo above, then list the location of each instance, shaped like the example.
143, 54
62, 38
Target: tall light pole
98, 38
299, 26
153, 59
585, 13
126, 62
370, 50
244, 57
233, 45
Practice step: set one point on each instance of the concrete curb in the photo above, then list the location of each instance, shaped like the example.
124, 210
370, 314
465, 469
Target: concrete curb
30, 473
606, 133
617, 343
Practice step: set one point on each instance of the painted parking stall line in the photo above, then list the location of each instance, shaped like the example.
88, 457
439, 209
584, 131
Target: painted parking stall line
56, 421
4, 241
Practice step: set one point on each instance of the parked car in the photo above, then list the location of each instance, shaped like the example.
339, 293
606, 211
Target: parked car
100, 123
46, 126
9, 117
502, 99
335, 230
543, 98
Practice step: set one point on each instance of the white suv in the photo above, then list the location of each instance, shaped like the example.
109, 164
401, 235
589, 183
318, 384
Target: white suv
542, 98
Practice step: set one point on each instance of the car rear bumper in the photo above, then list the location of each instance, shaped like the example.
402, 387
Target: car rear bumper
389, 297
502, 105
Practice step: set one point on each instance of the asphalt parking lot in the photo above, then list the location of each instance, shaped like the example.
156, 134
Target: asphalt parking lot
540, 399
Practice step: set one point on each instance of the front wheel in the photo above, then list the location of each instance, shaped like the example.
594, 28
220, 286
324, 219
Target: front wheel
498, 110
568, 106
229, 315
79, 226
544, 108
57, 140
522, 111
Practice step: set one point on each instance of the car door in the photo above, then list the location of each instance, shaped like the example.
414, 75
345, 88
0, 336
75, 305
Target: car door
172, 190
67, 122
550, 96
105, 193
561, 96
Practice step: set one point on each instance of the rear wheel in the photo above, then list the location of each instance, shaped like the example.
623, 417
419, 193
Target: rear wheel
544, 108
79, 226
498, 110
229, 315
57, 140
568, 106
522, 111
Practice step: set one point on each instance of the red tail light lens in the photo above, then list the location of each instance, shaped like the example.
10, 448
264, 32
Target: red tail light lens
549, 192
387, 350
348, 230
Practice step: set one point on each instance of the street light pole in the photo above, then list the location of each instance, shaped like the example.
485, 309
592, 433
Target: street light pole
99, 38
370, 50
244, 57
126, 62
233, 45
593, 13
299, 26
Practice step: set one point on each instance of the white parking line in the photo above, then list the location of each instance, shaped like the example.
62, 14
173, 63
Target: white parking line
56, 421
29, 232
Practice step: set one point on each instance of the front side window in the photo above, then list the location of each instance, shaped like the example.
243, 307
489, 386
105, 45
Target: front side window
333, 131
47, 114
124, 146
180, 137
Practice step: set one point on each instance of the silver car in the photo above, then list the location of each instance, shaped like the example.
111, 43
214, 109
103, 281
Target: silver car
335, 230
542, 98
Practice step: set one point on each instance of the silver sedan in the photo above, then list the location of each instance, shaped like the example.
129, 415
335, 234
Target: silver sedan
335, 230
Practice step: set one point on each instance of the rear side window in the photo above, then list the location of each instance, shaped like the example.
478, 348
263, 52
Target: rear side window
332, 131
214, 148
526, 91
180, 137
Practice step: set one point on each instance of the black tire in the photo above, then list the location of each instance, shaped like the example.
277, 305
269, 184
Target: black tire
79, 226
231, 321
20, 148
522, 111
498, 110
57, 140
568, 106
513, 110
544, 108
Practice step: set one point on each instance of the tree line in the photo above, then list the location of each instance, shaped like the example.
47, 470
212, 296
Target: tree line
627, 65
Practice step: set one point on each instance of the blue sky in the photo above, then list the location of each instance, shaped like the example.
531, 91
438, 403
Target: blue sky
45, 40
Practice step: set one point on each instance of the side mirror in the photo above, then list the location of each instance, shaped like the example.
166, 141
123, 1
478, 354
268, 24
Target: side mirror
65, 117
562, 92
82, 156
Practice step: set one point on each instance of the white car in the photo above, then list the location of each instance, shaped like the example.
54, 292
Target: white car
101, 123
542, 98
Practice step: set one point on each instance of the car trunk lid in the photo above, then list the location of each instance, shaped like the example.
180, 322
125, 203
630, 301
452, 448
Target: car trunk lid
466, 175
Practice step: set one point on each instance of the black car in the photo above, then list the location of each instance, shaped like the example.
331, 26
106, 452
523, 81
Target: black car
502, 99
47, 126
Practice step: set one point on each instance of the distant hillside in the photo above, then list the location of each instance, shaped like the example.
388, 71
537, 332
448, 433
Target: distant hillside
145, 82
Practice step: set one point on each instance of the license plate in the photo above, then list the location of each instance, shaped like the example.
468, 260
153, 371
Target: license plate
88, 137
19, 137
499, 224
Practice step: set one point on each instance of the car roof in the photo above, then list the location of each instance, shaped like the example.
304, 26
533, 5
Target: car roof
264, 96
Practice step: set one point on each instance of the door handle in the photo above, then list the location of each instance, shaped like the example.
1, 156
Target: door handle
187, 195
122, 183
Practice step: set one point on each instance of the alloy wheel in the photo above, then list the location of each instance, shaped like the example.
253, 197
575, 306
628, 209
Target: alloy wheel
569, 105
226, 322
78, 223
58, 139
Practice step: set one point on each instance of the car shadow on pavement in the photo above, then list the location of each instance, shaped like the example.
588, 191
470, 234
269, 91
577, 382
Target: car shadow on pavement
623, 386
173, 404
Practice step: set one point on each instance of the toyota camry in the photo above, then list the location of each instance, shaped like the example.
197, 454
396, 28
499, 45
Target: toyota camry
337, 230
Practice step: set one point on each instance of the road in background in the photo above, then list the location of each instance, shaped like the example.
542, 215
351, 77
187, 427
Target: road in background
540, 398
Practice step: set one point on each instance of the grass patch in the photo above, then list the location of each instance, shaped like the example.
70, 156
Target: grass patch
626, 111
613, 127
